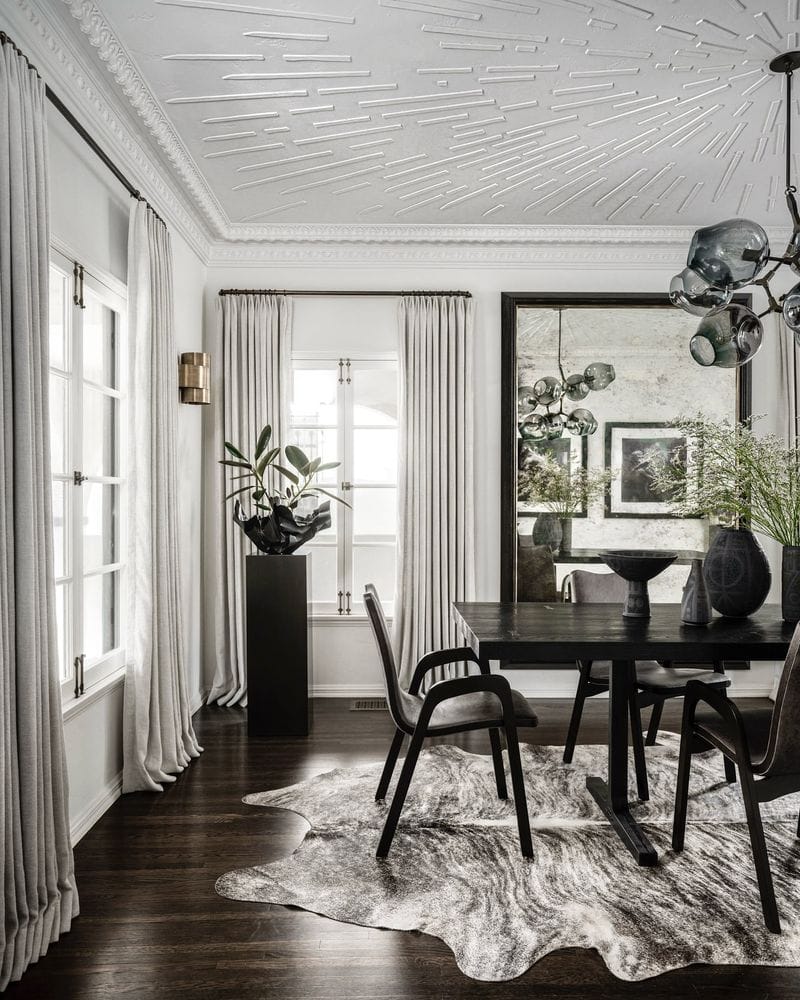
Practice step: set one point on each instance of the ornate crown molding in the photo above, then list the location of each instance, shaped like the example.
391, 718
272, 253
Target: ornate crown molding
61, 64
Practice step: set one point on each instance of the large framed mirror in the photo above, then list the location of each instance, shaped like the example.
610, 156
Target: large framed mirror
646, 340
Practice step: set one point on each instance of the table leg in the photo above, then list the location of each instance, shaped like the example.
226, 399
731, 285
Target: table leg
612, 796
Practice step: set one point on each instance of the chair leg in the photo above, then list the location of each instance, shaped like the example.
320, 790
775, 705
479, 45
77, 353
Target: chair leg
759, 848
575, 718
642, 788
682, 789
497, 760
400, 793
730, 770
388, 767
517, 784
655, 722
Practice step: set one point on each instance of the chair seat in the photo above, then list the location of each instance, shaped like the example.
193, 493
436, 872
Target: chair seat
653, 677
471, 710
710, 725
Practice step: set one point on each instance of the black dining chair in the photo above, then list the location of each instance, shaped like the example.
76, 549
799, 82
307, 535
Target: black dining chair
764, 743
651, 685
458, 705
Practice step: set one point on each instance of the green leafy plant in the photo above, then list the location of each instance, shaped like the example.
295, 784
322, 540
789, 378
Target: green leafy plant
550, 484
263, 469
741, 478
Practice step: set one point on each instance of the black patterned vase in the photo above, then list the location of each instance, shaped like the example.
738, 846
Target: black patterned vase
547, 531
790, 583
696, 606
737, 573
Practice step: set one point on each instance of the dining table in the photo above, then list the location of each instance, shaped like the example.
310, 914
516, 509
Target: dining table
527, 634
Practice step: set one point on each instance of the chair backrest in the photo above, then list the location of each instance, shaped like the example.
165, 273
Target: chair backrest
391, 682
536, 574
597, 588
783, 746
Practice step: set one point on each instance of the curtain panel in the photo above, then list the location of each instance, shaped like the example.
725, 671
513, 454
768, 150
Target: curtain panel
788, 402
253, 390
39, 893
159, 739
436, 555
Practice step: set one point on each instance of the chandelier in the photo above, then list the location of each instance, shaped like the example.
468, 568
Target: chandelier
731, 255
542, 405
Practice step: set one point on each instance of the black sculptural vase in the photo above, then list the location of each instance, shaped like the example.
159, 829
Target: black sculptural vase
637, 567
548, 531
696, 605
737, 573
790, 583
281, 532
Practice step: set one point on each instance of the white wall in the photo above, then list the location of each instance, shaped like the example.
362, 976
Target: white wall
345, 663
89, 216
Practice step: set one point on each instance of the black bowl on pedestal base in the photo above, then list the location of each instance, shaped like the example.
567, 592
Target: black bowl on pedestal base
637, 567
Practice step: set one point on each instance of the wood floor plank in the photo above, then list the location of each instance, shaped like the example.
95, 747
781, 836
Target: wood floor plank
153, 928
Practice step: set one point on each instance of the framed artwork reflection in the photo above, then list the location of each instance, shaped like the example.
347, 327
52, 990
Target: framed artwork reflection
632, 492
569, 452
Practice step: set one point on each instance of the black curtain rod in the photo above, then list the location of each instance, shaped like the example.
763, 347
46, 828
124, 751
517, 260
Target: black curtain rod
354, 294
64, 111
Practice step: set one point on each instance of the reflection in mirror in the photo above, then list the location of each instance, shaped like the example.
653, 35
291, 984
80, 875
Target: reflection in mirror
577, 495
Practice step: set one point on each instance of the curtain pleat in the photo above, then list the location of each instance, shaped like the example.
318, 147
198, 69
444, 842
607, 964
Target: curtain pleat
39, 892
159, 739
254, 388
436, 555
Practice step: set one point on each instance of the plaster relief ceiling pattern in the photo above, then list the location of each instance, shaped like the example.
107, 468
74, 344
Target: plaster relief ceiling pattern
450, 112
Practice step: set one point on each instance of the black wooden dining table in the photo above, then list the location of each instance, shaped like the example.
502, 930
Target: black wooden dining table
547, 633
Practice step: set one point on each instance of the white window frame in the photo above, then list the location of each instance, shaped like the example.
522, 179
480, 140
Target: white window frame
112, 294
344, 541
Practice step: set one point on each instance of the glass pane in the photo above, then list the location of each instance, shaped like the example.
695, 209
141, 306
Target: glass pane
374, 564
60, 528
374, 513
100, 614
58, 329
63, 617
314, 396
375, 396
100, 514
59, 423
99, 433
323, 572
375, 456
316, 443
99, 342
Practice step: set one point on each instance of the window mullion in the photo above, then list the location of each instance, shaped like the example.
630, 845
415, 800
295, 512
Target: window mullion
76, 450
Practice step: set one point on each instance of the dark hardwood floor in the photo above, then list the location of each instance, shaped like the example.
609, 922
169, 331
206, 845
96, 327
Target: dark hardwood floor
152, 926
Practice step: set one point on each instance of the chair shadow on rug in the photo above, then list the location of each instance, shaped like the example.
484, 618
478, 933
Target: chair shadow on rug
458, 705
764, 744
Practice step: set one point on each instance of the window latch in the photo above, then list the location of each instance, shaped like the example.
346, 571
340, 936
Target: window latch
79, 664
78, 478
346, 486
347, 366
77, 290
340, 608
341, 371
347, 603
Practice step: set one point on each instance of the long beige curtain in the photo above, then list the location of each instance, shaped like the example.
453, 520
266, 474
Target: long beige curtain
159, 740
253, 390
788, 402
39, 893
436, 555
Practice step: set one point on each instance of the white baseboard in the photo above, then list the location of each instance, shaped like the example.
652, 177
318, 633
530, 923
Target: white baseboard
105, 798
346, 691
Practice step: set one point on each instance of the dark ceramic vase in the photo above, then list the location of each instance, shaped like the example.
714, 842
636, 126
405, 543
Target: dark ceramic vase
547, 531
737, 573
565, 546
790, 583
696, 606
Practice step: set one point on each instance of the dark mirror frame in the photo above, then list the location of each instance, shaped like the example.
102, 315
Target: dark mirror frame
510, 302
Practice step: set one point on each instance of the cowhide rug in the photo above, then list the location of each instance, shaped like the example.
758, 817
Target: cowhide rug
455, 870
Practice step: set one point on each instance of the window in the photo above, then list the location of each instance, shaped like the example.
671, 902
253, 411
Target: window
86, 420
345, 409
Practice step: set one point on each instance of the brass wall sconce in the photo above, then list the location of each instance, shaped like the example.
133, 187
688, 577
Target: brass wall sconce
194, 377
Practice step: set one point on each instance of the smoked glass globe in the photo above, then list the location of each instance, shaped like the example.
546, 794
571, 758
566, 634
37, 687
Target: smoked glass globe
581, 422
547, 390
553, 425
576, 387
791, 310
729, 254
532, 428
599, 375
728, 339
694, 294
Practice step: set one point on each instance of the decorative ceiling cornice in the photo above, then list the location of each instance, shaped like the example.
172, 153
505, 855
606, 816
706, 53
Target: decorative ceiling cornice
62, 66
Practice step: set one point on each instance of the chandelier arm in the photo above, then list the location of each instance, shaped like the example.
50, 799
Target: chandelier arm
774, 305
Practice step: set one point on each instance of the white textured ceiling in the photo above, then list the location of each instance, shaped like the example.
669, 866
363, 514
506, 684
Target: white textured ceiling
472, 111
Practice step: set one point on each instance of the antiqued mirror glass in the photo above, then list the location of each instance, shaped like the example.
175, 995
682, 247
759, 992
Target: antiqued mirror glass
646, 341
